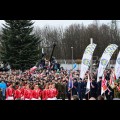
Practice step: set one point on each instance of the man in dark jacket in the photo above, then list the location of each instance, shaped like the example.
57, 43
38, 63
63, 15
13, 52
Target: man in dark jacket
109, 93
68, 92
84, 88
1, 96
107, 75
99, 86
80, 88
59, 88
75, 87
63, 90
93, 88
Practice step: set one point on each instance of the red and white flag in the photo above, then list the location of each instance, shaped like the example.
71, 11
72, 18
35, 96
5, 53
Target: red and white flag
104, 85
32, 69
112, 79
118, 88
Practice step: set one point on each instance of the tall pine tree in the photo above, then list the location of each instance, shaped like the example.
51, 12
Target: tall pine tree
19, 44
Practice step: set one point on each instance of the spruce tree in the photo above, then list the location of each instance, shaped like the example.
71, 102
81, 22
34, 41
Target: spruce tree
19, 44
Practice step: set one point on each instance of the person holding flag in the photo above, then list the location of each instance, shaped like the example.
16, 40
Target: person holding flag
88, 85
103, 85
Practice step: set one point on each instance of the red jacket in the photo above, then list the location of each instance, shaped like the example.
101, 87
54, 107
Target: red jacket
45, 94
18, 94
9, 92
53, 93
36, 93
22, 90
27, 94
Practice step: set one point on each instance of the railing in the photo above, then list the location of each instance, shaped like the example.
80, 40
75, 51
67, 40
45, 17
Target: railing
70, 61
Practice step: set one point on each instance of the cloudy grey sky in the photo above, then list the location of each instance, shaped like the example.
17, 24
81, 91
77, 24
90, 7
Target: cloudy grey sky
62, 23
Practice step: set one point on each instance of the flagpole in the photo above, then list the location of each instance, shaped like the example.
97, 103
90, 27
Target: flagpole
91, 42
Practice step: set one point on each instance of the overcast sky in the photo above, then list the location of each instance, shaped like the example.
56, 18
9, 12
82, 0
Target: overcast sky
63, 23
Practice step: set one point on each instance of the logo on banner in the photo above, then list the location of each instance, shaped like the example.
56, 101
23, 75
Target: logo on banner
118, 60
86, 62
104, 62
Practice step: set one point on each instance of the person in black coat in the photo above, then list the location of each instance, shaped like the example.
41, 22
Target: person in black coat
68, 92
93, 88
99, 86
80, 89
109, 93
75, 87
107, 77
84, 85
1, 97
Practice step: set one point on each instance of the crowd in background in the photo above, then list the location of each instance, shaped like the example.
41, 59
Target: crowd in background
52, 83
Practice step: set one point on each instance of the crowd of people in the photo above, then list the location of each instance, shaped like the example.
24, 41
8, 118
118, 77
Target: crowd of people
53, 84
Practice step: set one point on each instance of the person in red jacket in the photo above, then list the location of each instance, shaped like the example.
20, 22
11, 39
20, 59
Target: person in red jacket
18, 94
36, 93
54, 92
10, 93
45, 92
22, 91
27, 93
50, 92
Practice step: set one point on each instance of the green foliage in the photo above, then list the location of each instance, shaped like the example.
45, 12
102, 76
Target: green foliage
19, 44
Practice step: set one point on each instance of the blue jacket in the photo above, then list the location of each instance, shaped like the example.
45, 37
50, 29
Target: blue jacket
3, 87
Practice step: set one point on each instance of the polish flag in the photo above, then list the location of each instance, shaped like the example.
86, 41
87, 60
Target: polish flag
33, 69
104, 85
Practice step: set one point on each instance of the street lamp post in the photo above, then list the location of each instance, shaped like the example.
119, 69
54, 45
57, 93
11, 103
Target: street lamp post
72, 57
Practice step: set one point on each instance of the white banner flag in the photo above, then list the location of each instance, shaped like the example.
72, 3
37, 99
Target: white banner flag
86, 59
117, 66
105, 59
